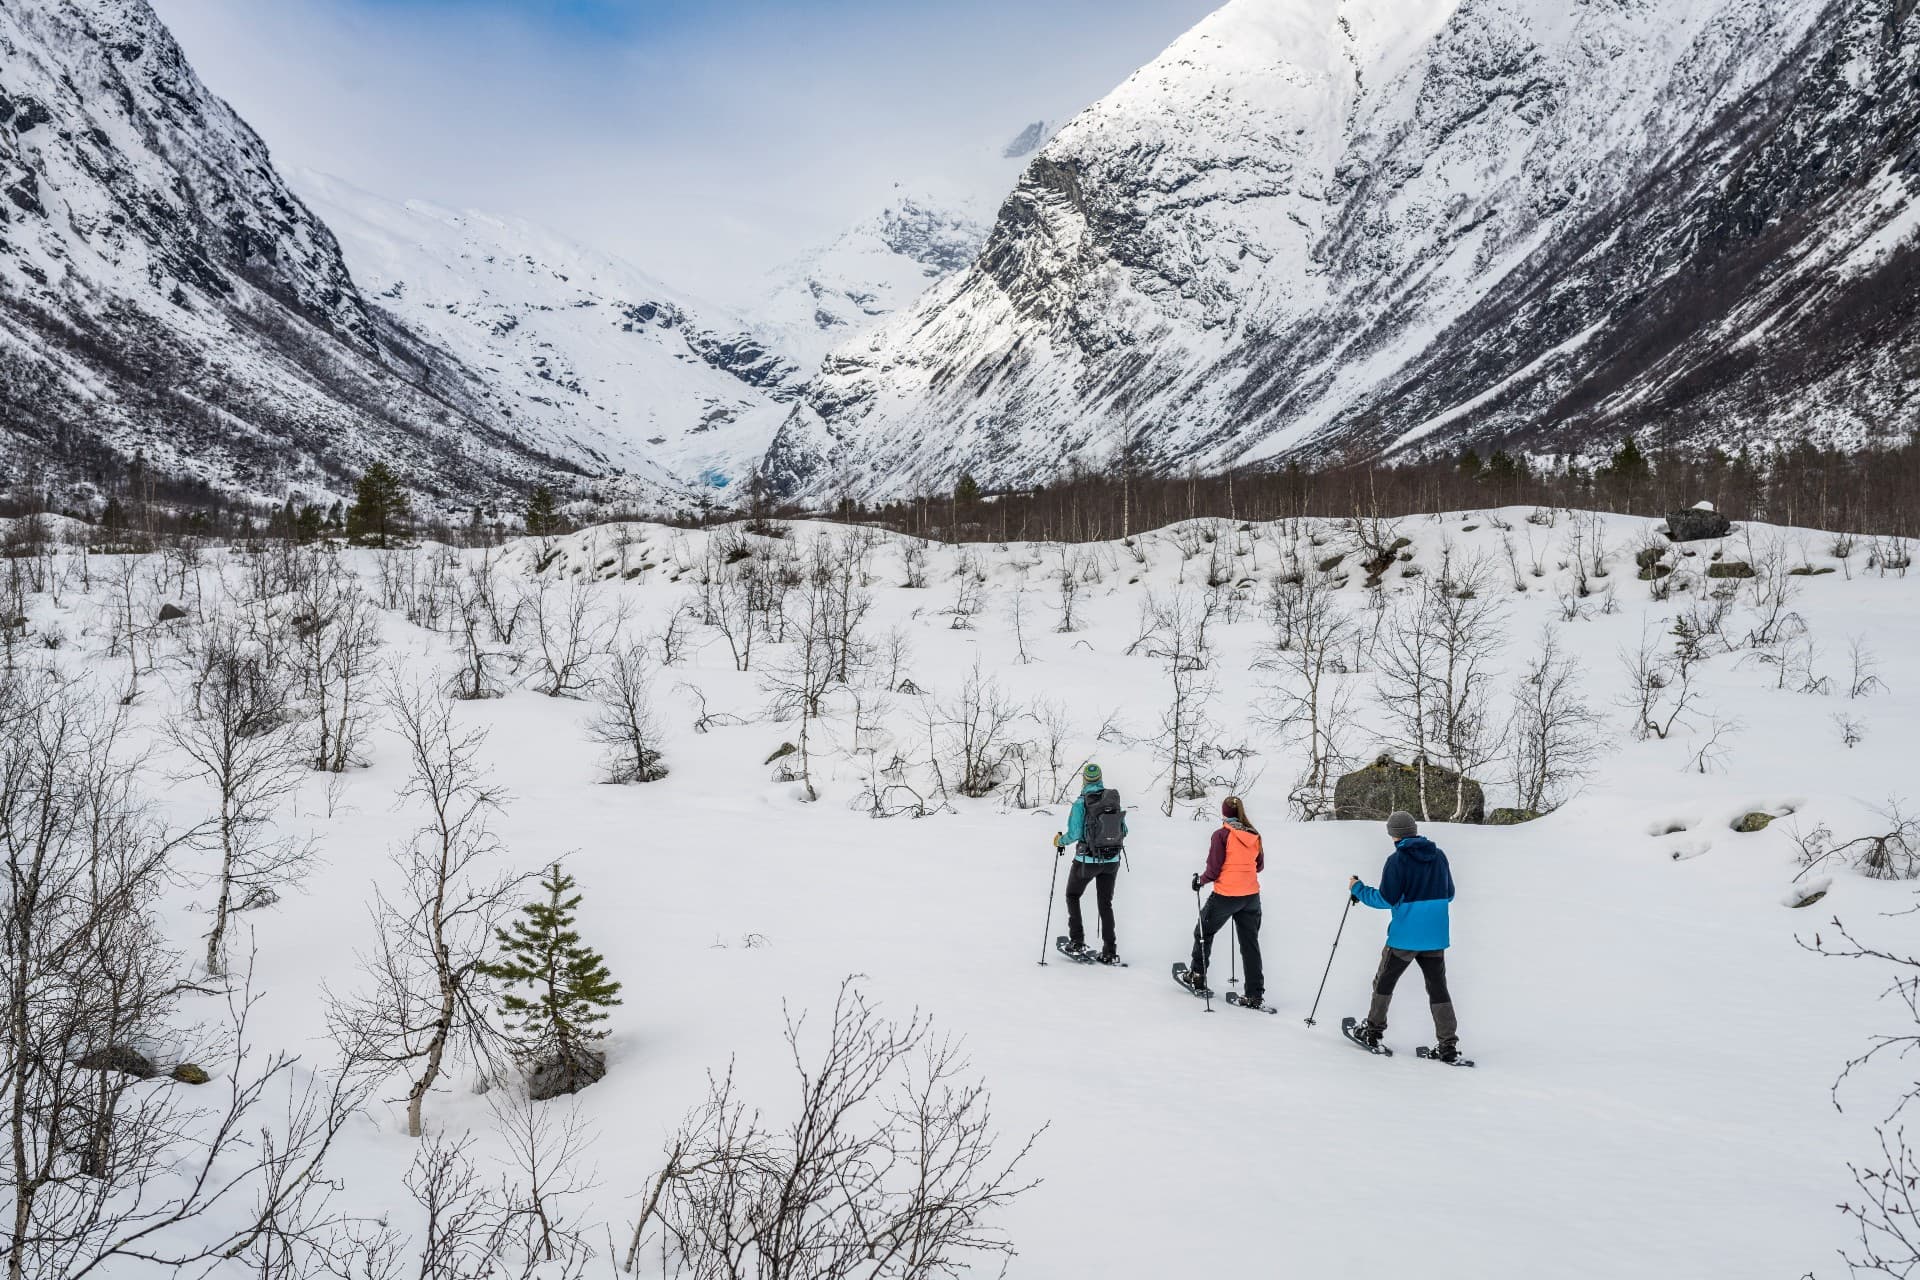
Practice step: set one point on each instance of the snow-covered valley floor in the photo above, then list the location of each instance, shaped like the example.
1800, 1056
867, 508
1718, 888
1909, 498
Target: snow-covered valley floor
1655, 1045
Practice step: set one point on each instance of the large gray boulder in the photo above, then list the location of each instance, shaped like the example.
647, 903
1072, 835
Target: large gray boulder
1370, 794
1697, 523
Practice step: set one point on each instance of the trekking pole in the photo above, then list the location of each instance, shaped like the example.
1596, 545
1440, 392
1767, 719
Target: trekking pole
1336, 946
1047, 929
1200, 936
1233, 957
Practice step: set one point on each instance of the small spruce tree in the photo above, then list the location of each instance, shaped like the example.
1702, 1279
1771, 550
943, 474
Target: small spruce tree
967, 492
559, 989
380, 507
543, 513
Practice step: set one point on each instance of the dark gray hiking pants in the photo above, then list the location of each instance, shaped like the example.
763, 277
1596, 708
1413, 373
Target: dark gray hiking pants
1433, 967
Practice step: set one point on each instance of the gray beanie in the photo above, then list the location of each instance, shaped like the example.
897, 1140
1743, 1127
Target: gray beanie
1400, 825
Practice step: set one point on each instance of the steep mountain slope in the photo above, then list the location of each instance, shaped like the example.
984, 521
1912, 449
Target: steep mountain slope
583, 355
1357, 225
162, 293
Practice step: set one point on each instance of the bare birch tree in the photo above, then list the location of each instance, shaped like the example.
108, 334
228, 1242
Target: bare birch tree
570, 632
240, 736
1555, 734
625, 723
336, 636
1305, 701
106, 1168
426, 1004
891, 1168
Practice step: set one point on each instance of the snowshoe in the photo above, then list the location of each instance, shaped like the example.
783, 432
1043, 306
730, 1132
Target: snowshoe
1110, 958
1239, 1001
1364, 1036
1079, 954
1184, 976
1450, 1056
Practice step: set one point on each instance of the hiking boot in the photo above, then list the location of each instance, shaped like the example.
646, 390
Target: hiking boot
1447, 1053
1367, 1034
1108, 957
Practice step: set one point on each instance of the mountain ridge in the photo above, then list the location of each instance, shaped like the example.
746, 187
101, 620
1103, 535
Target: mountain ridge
1300, 233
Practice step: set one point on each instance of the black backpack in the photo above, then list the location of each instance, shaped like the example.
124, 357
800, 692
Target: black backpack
1104, 828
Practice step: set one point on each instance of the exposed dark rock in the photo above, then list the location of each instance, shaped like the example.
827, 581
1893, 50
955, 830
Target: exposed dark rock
1512, 817
1755, 821
784, 750
1386, 785
1695, 524
190, 1073
171, 613
1730, 569
565, 1075
119, 1058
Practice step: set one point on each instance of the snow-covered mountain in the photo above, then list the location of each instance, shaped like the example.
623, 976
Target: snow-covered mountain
582, 355
926, 231
872, 270
1379, 225
163, 293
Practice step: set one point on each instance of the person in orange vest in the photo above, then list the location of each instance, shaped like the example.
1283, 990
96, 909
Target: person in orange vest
1234, 864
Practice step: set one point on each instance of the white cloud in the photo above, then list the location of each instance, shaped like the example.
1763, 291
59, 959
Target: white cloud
706, 149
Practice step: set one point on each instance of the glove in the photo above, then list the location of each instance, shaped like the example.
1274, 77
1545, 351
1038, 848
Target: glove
1196, 882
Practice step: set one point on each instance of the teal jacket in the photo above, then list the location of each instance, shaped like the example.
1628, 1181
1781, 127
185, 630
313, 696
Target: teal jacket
1077, 827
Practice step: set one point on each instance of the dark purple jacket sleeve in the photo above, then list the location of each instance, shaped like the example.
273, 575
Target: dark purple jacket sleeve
1216, 856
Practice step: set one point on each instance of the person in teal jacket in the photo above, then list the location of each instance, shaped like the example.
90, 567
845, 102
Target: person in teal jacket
1415, 885
1096, 866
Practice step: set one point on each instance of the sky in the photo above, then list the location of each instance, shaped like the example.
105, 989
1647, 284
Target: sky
707, 141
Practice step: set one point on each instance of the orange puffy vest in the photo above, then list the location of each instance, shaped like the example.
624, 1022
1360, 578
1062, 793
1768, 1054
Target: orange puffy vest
1240, 875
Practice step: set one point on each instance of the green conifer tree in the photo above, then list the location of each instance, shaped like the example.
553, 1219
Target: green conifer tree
559, 988
543, 513
380, 506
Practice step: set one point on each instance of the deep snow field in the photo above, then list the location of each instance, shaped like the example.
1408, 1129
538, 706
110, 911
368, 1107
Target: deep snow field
1655, 1046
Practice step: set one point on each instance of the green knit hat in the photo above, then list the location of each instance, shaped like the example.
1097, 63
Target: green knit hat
1091, 773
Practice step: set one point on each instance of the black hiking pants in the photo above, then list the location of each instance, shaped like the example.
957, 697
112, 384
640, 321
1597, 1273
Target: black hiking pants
1244, 911
1101, 875
1433, 967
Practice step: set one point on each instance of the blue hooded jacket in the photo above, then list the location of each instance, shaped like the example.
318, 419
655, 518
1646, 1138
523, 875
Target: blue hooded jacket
1077, 827
1416, 885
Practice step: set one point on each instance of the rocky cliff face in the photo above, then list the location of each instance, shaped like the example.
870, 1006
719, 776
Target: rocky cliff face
1375, 226
164, 295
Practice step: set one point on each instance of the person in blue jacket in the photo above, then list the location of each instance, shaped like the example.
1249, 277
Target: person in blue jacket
1416, 885
1096, 862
